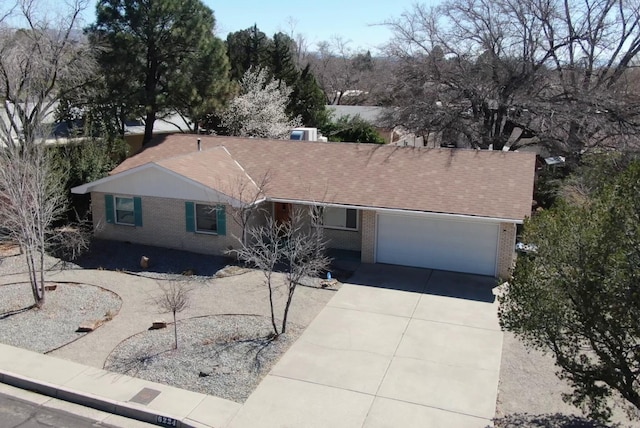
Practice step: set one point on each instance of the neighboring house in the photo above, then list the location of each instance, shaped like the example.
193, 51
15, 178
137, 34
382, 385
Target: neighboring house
371, 114
163, 125
436, 208
64, 132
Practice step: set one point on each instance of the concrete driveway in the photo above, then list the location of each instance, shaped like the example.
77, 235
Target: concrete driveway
396, 347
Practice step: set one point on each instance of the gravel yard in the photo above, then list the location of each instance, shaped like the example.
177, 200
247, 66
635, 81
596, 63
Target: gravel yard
223, 355
55, 324
223, 346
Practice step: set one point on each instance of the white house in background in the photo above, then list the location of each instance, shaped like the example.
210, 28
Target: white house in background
435, 208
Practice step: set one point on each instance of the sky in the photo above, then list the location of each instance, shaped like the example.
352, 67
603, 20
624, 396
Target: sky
353, 20
318, 21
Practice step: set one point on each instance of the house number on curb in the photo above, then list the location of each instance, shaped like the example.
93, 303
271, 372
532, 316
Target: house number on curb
169, 422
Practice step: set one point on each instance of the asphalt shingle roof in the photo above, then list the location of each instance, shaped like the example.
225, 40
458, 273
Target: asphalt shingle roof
455, 181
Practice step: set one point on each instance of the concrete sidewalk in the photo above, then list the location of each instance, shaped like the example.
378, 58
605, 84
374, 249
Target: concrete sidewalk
113, 393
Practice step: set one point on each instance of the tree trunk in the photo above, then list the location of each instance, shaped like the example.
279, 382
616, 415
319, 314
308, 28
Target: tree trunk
148, 126
175, 331
292, 289
150, 88
36, 290
273, 315
41, 282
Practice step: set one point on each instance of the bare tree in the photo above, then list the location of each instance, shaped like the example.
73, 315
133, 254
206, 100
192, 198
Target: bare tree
31, 199
174, 298
301, 45
296, 245
250, 194
38, 65
304, 252
476, 69
342, 71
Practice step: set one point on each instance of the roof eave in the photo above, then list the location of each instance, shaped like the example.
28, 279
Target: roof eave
401, 211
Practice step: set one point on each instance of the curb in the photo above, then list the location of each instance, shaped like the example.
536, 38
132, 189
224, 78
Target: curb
125, 409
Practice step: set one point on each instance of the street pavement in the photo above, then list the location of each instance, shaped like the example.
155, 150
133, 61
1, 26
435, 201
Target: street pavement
25, 409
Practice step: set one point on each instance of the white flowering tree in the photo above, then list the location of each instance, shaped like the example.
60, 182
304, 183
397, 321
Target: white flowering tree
259, 110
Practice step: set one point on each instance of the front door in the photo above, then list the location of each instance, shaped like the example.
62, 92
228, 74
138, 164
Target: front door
282, 212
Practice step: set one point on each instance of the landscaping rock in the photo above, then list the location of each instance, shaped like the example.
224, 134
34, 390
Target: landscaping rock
328, 283
89, 326
158, 324
144, 262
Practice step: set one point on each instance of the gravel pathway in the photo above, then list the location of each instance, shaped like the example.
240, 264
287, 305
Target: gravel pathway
224, 355
55, 324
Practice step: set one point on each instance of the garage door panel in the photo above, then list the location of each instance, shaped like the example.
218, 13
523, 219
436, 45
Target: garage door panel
462, 246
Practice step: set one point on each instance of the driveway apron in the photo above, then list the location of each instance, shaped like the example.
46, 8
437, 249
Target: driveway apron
397, 346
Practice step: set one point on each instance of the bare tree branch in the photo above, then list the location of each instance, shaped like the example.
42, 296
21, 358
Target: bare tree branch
174, 298
296, 245
39, 65
473, 70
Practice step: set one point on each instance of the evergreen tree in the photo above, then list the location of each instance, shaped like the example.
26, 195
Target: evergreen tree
576, 294
307, 100
159, 55
247, 49
251, 48
281, 60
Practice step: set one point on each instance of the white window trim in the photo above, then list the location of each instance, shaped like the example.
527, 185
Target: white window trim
115, 210
348, 229
195, 219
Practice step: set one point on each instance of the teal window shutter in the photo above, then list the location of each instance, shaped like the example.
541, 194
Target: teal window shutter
108, 209
221, 220
190, 216
137, 210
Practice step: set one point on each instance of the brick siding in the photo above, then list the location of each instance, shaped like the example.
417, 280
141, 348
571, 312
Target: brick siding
506, 250
368, 227
164, 225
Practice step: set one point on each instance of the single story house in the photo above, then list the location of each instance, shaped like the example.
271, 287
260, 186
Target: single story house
436, 208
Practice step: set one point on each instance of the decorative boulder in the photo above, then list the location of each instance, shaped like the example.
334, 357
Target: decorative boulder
158, 324
89, 326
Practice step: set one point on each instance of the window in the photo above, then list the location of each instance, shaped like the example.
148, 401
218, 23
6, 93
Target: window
340, 218
206, 218
297, 135
123, 210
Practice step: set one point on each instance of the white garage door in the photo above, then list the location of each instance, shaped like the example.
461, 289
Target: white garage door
456, 245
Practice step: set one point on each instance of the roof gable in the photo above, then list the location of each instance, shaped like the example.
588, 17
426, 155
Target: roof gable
157, 181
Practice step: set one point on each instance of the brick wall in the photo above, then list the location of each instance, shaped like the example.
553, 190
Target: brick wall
368, 227
164, 225
337, 238
506, 249
345, 239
